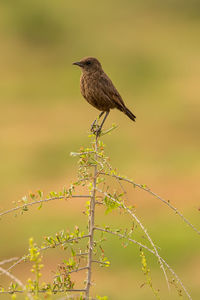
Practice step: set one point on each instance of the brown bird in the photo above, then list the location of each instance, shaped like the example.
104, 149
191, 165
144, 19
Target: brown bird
99, 91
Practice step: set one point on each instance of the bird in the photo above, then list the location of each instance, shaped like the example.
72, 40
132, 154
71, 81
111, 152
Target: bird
99, 91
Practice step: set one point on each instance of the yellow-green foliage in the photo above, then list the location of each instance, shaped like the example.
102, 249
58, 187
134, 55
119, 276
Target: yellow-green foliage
150, 49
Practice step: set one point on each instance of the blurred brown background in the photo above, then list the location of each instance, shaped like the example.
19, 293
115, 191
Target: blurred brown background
151, 51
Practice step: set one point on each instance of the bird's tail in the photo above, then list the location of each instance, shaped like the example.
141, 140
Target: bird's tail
129, 114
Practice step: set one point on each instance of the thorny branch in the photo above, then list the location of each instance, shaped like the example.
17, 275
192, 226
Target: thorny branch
142, 227
45, 248
14, 278
43, 291
5, 261
41, 201
100, 165
91, 224
142, 187
148, 249
75, 271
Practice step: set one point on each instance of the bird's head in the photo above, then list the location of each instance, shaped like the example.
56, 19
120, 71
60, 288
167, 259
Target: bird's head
89, 64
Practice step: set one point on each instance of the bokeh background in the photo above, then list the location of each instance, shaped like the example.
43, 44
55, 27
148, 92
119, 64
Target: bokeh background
151, 50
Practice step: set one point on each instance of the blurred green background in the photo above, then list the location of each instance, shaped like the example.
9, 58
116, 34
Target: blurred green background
151, 50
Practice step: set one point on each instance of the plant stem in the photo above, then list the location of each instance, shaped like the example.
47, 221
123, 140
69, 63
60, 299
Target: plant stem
91, 225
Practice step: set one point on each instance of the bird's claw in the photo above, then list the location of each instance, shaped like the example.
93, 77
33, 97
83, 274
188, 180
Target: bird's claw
95, 129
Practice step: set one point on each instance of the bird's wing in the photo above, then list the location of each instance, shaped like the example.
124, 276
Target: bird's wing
110, 91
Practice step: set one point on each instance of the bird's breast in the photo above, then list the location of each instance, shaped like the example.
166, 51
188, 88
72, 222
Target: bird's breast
92, 91
89, 89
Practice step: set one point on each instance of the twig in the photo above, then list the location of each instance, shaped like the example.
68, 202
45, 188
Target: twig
77, 270
73, 271
125, 237
12, 277
42, 201
156, 196
43, 291
100, 262
5, 261
15, 264
68, 241
142, 227
81, 153
16, 280
81, 254
45, 248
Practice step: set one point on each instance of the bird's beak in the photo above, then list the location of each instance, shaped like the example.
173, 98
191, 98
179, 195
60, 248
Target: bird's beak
78, 63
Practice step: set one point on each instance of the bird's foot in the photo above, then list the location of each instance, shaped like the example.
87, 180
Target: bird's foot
95, 129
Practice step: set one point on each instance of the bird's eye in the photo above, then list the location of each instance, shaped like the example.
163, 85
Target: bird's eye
88, 63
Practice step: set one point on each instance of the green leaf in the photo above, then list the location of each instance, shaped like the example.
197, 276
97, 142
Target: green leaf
40, 193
